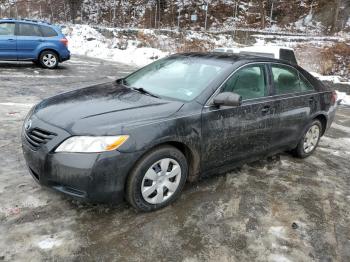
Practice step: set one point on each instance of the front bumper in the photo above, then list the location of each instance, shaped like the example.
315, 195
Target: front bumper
97, 177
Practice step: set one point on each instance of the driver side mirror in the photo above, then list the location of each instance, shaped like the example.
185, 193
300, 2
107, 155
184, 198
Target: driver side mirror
228, 99
120, 81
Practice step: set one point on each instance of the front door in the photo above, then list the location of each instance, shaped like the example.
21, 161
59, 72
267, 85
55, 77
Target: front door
28, 39
231, 134
8, 49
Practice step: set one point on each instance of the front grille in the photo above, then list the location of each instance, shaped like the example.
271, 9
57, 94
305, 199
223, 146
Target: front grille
37, 137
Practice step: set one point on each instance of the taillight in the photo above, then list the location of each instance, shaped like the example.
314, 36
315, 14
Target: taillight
334, 98
64, 41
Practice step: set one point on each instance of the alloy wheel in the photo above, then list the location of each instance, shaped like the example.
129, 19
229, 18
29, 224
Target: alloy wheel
49, 60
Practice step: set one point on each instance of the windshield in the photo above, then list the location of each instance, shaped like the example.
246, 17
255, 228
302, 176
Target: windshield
182, 78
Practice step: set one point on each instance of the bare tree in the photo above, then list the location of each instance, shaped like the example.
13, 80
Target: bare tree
262, 11
74, 6
336, 10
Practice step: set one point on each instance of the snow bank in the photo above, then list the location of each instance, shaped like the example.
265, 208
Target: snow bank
85, 40
343, 98
330, 78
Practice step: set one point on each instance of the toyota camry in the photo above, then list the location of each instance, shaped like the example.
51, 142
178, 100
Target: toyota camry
180, 118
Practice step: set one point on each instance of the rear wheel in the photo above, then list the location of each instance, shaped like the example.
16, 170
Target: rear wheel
157, 179
310, 139
48, 59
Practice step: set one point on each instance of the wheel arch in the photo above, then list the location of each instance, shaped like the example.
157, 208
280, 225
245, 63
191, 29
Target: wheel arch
49, 49
323, 119
192, 156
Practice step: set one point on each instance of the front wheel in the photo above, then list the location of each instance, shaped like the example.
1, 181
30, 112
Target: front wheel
48, 59
309, 141
157, 179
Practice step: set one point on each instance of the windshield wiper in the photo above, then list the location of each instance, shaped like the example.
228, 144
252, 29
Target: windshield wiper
144, 91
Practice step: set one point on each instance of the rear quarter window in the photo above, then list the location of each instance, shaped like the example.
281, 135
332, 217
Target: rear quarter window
305, 84
48, 31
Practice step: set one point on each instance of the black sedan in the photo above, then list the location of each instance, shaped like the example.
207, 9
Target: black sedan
180, 118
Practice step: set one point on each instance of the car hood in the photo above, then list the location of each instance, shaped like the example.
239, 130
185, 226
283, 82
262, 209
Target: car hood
103, 109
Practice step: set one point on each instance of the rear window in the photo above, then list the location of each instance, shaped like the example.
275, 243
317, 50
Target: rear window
28, 30
48, 31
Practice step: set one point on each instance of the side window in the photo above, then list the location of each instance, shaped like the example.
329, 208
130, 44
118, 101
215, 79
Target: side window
249, 82
304, 84
286, 80
48, 31
7, 28
28, 30
288, 55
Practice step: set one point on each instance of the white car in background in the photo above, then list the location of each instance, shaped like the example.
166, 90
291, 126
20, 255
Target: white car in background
277, 52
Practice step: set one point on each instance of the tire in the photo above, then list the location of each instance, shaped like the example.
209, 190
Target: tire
148, 177
306, 146
48, 59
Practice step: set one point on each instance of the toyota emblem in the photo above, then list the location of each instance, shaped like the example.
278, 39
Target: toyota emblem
28, 124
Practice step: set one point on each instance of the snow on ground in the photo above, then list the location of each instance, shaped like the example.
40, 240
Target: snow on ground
343, 98
85, 40
330, 78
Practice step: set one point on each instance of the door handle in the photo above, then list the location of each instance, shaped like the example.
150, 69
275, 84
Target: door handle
11, 39
265, 109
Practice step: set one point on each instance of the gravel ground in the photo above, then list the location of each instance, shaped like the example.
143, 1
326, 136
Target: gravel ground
280, 209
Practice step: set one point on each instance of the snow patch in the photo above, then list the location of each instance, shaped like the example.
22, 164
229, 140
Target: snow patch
85, 40
343, 98
49, 243
277, 231
278, 258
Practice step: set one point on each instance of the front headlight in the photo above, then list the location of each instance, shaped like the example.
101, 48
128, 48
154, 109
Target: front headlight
91, 144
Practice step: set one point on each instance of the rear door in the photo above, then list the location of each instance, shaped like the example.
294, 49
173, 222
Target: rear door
296, 102
8, 48
232, 134
29, 38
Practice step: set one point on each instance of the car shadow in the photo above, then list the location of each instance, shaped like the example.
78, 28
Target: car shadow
27, 65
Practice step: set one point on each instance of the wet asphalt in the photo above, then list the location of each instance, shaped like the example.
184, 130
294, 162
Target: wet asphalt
278, 209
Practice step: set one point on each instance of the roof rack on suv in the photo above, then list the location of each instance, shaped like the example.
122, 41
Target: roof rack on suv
35, 21
28, 20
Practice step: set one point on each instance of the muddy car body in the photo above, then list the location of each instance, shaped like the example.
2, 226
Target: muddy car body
169, 139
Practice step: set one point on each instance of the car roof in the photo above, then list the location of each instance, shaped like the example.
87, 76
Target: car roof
29, 21
233, 57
